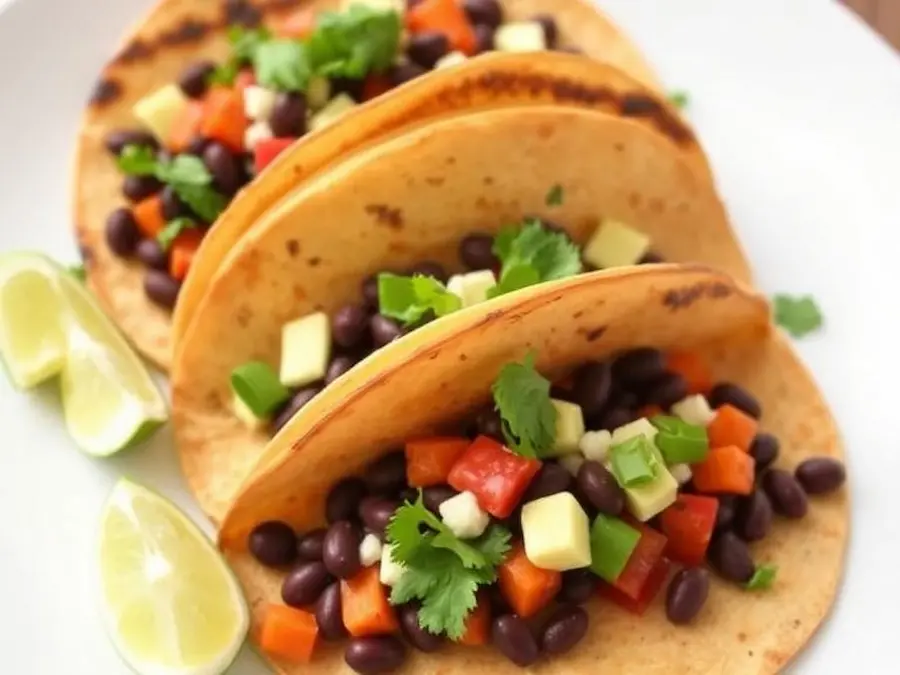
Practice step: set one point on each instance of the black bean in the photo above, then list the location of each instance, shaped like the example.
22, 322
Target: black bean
349, 326
487, 422
427, 48
197, 145
764, 450
687, 594
512, 636
161, 288
293, 406
117, 139
122, 234
343, 500
753, 518
725, 513
408, 495
550, 480
375, 655
137, 188
591, 388
436, 495
621, 398
225, 167
615, 418
311, 544
484, 38
376, 513
730, 557
564, 629
387, 476
600, 488
666, 391
430, 268
548, 23
475, 252
732, 394
340, 551
172, 206
786, 493
578, 586
194, 79
153, 255
304, 584
338, 366
401, 73
487, 12
288, 119
820, 474
353, 87
638, 367
329, 618
273, 543
420, 638
650, 257
383, 330
497, 601
369, 290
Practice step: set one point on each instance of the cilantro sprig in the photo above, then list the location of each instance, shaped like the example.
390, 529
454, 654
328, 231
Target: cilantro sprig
187, 175
442, 572
531, 254
799, 316
679, 98
171, 231
522, 397
244, 42
410, 299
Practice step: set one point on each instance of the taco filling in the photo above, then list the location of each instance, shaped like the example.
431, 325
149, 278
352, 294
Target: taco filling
317, 349
204, 137
602, 484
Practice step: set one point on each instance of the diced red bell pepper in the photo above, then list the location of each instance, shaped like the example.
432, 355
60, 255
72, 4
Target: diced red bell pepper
497, 477
266, 151
693, 369
376, 85
443, 16
654, 583
688, 524
184, 250
645, 557
429, 460
478, 624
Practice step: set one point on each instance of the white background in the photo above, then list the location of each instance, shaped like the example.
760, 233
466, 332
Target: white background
799, 107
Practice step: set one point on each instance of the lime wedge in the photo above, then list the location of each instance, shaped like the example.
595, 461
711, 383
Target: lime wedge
50, 325
171, 604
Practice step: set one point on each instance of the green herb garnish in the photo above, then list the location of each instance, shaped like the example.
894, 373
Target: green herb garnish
522, 397
258, 386
282, 65
171, 231
679, 98
443, 572
354, 43
410, 299
762, 578
532, 254
612, 543
799, 316
680, 442
77, 271
554, 196
632, 462
244, 43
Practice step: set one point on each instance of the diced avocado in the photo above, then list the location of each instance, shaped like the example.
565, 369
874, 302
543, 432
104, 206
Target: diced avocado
450, 59
332, 110
472, 288
646, 500
569, 428
522, 36
641, 427
614, 244
556, 531
318, 92
612, 543
159, 110
245, 415
305, 350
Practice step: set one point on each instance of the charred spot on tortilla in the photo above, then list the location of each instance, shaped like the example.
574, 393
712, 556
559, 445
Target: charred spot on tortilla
293, 247
315, 261
189, 30
463, 357
593, 334
578, 315
434, 181
684, 297
105, 91
385, 214
242, 12
136, 50
643, 106
243, 316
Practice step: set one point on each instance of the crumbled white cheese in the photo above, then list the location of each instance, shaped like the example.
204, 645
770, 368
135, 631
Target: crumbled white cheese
256, 133
595, 445
463, 516
694, 410
370, 550
391, 571
259, 102
681, 473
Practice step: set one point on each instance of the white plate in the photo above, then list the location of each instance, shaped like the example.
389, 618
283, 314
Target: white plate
799, 107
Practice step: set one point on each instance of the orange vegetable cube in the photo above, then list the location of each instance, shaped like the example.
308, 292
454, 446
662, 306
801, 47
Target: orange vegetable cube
527, 588
148, 215
224, 119
693, 369
365, 607
443, 16
183, 251
288, 633
186, 127
429, 460
727, 470
732, 426
478, 624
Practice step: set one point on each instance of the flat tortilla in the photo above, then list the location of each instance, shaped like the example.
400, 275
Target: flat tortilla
177, 32
413, 199
444, 372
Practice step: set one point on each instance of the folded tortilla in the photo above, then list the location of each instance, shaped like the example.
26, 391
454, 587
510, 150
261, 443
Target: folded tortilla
444, 371
411, 199
177, 32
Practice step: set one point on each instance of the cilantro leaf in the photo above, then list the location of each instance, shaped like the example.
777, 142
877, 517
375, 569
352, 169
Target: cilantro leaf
245, 41
355, 42
533, 254
494, 544
78, 271
522, 397
224, 74
405, 531
184, 170
282, 65
679, 99
171, 231
554, 196
137, 160
202, 200
762, 578
409, 299
797, 315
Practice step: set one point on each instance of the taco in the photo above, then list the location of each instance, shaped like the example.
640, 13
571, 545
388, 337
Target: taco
534, 474
461, 210
204, 94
